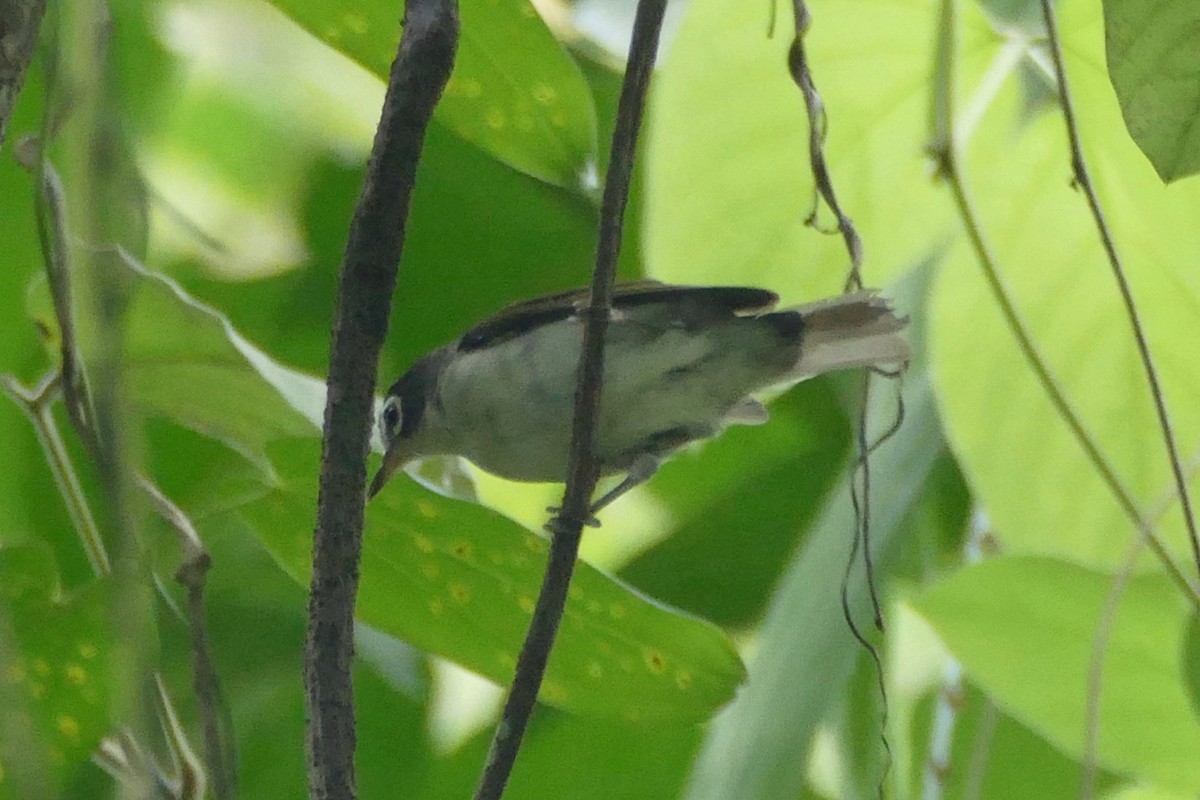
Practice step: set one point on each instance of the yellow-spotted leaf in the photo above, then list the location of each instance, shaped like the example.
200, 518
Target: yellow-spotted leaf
459, 580
54, 674
515, 91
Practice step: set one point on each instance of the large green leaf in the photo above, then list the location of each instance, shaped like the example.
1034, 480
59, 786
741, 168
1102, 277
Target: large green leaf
55, 655
1028, 470
805, 653
450, 577
459, 580
564, 755
1016, 623
1154, 64
728, 178
514, 92
739, 506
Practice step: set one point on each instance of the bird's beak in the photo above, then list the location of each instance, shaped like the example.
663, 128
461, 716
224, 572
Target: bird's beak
396, 457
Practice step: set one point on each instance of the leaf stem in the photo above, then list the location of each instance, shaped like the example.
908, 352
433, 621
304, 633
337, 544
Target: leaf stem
1084, 181
36, 404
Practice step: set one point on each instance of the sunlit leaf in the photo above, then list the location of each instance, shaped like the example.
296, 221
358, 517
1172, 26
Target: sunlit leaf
1030, 473
728, 180
514, 92
1017, 622
1154, 64
459, 580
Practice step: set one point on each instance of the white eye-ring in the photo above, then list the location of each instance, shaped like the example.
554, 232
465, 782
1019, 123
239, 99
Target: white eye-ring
390, 419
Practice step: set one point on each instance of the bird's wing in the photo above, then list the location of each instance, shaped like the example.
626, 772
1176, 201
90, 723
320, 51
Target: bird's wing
683, 303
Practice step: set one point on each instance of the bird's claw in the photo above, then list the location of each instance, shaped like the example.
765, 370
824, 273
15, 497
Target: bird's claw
556, 516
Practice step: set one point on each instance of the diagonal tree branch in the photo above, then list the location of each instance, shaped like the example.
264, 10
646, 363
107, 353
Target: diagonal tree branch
376, 240
582, 472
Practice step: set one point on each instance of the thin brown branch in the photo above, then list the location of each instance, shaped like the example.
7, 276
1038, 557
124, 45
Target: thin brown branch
1084, 181
192, 572
860, 487
817, 126
368, 278
20, 21
944, 149
567, 526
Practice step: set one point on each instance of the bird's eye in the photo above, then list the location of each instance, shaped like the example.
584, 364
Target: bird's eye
391, 417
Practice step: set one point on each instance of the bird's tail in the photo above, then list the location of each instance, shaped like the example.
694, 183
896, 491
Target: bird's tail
854, 330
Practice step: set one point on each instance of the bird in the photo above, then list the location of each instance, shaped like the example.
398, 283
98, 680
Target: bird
681, 364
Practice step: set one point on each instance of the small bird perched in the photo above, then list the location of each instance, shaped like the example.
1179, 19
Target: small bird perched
680, 364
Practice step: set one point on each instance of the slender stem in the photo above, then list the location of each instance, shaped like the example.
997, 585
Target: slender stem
368, 277
583, 470
1084, 181
1095, 679
944, 148
192, 574
815, 107
950, 696
36, 405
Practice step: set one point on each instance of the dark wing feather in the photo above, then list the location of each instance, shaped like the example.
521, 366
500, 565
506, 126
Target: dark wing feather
526, 315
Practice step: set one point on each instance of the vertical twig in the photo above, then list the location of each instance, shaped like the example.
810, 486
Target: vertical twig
817, 124
218, 755
944, 148
860, 486
1084, 181
368, 277
582, 471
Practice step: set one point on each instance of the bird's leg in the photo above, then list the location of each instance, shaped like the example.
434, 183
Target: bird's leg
640, 471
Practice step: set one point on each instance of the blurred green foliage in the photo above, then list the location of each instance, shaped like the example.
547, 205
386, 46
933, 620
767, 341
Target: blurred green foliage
250, 123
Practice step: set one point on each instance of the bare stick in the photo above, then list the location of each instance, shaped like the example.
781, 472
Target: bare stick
582, 471
368, 277
944, 149
1084, 181
802, 75
218, 754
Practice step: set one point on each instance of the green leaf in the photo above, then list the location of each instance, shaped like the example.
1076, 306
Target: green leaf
459, 580
514, 92
741, 505
563, 755
55, 662
728, 179
1027, 469
1014, 621
1154, 64
759, 744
